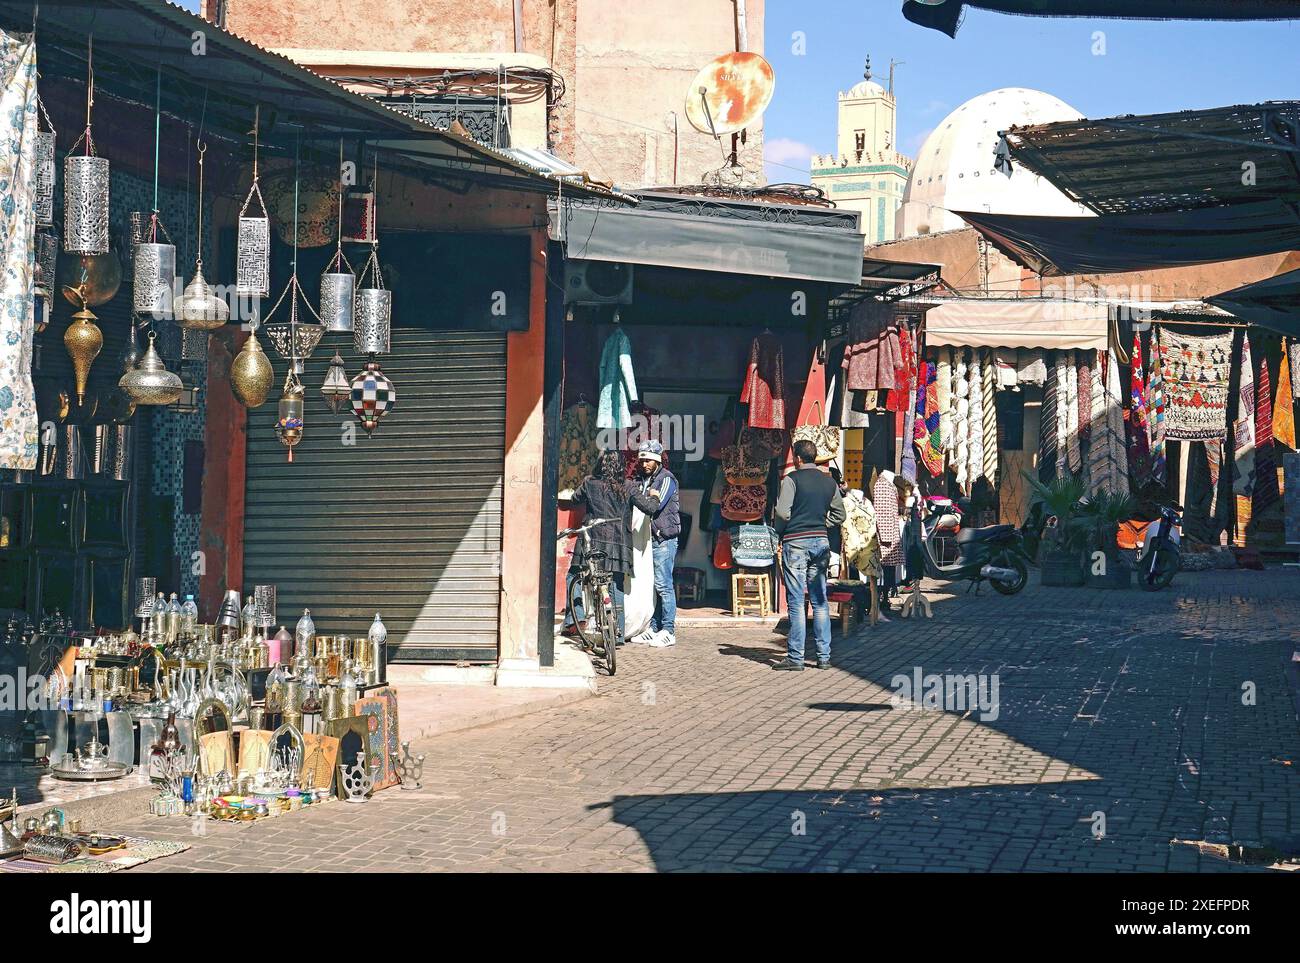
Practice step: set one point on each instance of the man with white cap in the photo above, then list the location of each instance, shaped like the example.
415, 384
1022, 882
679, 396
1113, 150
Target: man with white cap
656, 495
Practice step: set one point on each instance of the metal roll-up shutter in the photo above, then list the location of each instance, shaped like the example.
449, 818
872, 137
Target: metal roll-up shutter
406, 523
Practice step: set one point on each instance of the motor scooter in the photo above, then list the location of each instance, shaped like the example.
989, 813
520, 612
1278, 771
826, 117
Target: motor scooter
1160, 556
994, 554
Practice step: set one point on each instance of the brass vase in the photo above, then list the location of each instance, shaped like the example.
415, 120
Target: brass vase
84, 341
251, 374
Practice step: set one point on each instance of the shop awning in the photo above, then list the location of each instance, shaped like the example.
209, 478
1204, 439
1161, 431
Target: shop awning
1273, 303
707, 234
1178, 161
1016, 323
139, 42
946, 15
1137, 242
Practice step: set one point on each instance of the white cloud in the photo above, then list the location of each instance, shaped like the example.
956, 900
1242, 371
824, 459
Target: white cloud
784, 150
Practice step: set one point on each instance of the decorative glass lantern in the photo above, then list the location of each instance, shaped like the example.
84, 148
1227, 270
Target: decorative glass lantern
150, 383
336, 389
289, 421
372, 396
251, 373
85, 204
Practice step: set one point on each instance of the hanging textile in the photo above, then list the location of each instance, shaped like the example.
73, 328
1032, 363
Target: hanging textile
764, 389
990, 411
975, 424
853, 409
1107, 459
1266, 492
578, 444
859, 545
1196, 384
929, 443
1031, 366
907, 463
873, 357
1293, 351
1139, 430
1005, 364
1214, 458
1047, 443
1284, 405
943, 398
1084, 359
617, 383
19, 426
1156, 411
900, 399
960, 419
1064, 412
1243, 429
1073, 458
884, 499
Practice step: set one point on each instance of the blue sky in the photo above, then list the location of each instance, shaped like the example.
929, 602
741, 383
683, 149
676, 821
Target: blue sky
1148, 67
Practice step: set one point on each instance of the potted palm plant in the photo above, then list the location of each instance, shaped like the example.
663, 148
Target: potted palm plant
1098, 521
1061, 557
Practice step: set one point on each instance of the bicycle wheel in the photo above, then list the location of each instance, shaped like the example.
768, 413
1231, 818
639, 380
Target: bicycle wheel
579, 595
609, 632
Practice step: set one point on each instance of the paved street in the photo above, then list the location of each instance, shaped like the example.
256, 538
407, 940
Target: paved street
1123, 706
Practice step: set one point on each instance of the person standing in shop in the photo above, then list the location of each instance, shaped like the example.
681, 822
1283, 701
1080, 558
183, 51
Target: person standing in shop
809, 504
656, 495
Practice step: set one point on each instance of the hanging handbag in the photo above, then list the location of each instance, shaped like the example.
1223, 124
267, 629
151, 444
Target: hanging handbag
744, 503
741, 468
763, 444
754, 545
825, 437
722, 550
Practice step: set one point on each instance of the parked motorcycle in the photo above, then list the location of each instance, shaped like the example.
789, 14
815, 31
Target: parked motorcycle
1160, 556
994, 554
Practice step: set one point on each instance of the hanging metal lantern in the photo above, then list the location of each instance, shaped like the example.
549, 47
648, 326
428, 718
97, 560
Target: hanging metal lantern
373, 396
84, 341
154, 267
251, 374
338, 300
336, 389
85, 204
374, 321
253, 251
293, 341
289, 419
47, 257
150, 383
43, 202
199, 308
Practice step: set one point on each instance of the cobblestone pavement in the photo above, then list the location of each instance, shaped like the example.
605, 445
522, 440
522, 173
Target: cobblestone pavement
1117, 705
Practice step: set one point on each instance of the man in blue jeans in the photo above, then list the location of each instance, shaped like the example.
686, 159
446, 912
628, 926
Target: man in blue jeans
656, 495
808, 505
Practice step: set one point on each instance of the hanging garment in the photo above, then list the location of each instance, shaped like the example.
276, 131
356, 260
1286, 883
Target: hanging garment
1293, 351
900, 399
907, 462
853, 409
1156, 411
1266, 492
1073, 458
1004, 363
578, 448
1115, 425
1084, 359
1243, 429
639, 599
19, 425
873, 357
859, 544
943, 397
975, 425
764, 389
1284, 405
1031, 366
884, 498
960, 420
1214, 458
1196, 385
989, 409
617, 383
1066, 414
1139, 430
928, 442
1047, 418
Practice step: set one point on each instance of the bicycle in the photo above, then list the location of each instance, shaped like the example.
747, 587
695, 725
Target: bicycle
592, 584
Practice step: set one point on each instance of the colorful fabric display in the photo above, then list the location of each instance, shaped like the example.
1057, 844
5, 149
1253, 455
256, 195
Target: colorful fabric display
990, 412
764, 389
1139, 429
1284, 405
1048, 415
960, 420
1195, 373
1156, 412
1266, 492
1243, 429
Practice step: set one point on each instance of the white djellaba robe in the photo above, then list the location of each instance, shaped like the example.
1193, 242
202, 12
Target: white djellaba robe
639, 600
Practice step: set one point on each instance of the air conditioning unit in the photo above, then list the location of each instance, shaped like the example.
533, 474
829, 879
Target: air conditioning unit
597, 282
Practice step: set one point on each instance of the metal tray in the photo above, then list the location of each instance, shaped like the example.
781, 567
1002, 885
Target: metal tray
110, 770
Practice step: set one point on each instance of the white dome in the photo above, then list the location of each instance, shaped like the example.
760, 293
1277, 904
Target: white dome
954, 169
863, 89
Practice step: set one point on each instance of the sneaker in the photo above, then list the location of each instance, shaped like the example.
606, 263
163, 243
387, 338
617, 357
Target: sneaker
645, 638
663, 638
823, 664
785, 665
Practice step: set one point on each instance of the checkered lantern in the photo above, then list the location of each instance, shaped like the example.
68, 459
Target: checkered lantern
372, 396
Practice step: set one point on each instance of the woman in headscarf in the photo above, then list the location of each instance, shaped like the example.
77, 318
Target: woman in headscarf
605, 493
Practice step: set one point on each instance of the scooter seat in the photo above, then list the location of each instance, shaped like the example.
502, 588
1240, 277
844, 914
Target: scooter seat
968, 535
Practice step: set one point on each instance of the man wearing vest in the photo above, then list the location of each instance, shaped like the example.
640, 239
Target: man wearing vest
808, 505
655, 493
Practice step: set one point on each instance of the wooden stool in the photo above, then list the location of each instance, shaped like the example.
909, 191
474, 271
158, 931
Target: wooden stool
846, 608
751, 590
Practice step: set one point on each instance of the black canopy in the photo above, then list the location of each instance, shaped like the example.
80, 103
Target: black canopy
946, 15
1273, 303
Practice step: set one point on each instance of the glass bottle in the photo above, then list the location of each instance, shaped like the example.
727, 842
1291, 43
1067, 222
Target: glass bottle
305, 634
158, 625
189, 618
173, 619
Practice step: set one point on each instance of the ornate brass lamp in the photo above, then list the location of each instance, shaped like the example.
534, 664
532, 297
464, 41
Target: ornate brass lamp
150, 383
251, 373
199, 307
99, 276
